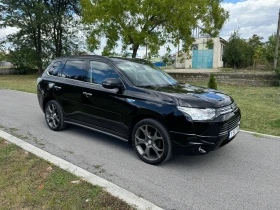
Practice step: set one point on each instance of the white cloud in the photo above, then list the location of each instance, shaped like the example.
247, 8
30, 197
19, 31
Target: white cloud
6, 31
252, 17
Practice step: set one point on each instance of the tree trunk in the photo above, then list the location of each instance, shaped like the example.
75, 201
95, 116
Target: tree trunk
39, 51
60, 41
55, 38
135, 49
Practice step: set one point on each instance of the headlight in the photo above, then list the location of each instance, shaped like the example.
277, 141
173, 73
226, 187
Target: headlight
198, 114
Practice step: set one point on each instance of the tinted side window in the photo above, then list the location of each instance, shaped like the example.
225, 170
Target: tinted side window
75, 70
56, 68
99, 71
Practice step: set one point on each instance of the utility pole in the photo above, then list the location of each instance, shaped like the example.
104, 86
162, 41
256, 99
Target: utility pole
179, 48
277, 43
146, 51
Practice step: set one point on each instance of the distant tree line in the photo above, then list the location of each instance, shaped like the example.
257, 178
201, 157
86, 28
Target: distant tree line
253, 52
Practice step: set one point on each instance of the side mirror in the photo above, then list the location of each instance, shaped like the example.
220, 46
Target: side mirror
111, 83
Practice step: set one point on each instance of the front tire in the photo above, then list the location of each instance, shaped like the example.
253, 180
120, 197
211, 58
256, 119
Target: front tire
54, 116
152, 142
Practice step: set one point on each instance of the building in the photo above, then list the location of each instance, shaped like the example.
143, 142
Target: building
203, 55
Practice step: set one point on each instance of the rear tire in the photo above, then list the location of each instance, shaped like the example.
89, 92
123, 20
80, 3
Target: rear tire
152, 142
54, 116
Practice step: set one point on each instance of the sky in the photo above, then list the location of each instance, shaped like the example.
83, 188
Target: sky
248, 16
251, 17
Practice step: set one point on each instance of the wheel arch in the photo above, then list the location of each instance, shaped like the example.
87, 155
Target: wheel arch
141, 116
46, 100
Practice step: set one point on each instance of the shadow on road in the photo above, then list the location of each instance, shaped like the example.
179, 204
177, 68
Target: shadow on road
101, 138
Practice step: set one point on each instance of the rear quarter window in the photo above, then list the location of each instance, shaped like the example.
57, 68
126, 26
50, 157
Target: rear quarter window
56, 68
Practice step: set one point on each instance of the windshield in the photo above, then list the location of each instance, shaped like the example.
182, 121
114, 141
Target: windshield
145, 74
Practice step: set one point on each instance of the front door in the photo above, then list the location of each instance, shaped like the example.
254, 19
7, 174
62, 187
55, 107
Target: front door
103, 107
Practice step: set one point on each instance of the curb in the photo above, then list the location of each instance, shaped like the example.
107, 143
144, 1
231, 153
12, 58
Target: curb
262, 134
111, 188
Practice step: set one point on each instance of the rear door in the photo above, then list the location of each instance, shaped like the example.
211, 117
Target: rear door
103, 107
68, 91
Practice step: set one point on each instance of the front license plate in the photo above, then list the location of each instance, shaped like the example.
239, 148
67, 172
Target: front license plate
233, 132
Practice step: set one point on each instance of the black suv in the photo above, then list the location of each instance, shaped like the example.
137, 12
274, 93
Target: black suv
133, 100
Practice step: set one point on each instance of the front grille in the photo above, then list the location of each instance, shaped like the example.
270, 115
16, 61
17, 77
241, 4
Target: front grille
231, 124
227, 109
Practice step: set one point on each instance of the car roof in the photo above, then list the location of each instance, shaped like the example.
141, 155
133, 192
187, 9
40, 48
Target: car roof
80, 57
112, 59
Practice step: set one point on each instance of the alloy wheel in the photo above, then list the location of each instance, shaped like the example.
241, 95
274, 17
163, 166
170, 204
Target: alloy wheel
52, 116
149, 142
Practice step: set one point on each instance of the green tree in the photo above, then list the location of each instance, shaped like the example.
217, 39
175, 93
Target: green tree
46, 29
22, 58
255, 42
168, 59
2, 54
138, 22
61, 16
238, 52
212, 82
28, 17
269, 49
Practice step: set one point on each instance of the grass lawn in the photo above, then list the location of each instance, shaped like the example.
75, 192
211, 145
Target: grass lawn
26, 83
260, 106
28, 182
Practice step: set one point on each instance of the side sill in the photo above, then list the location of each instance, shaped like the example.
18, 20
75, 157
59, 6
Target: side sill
95, 129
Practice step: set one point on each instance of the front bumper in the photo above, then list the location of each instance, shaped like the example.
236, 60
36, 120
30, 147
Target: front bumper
208, 136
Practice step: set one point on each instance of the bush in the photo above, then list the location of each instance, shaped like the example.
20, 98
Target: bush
278, 75
212, 82
25, 70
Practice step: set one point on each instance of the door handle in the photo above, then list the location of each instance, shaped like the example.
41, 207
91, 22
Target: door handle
87, 94
57, 87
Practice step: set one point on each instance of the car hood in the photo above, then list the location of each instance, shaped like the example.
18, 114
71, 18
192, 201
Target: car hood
195, 96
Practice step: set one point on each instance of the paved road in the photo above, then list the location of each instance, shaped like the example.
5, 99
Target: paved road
242, 175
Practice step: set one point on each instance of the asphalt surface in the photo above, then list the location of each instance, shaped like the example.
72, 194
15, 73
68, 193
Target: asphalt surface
244, 174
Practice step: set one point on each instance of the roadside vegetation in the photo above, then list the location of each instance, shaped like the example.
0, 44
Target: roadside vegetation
253, 53
259, 105
28, 182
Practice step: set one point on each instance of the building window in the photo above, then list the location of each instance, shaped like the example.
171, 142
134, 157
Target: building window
195, 47
210, 46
